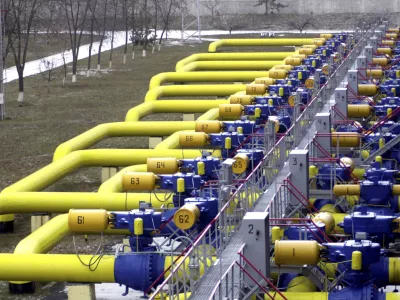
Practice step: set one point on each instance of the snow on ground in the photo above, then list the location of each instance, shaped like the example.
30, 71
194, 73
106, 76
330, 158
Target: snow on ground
41, 65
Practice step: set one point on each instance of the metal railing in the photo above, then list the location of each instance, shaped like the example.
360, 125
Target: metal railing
178, 279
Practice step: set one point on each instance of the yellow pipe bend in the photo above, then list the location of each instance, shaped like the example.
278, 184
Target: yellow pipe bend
221, 76
232, 56
62, 202
90, 158
232, 65
194, 90
171, 106
100, 132
257, 42
114, 183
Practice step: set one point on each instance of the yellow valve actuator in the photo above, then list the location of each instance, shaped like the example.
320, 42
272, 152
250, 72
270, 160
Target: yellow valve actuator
139, 181
257, 112
194, 139
358, 110
378, 159
387, 51
201, 168
310, 46
293, 61
241, 163
388, 42
281, 67
345, 139
230, 110
208, 126
277, 73
319, 42
326, 35
297, 253
271, 101
389, 111
367, 89
186, 216
241, 99
356, 260
180, 185
138, 226
375, 73
240, 130
391, 36
306, 51
381, 61
393, 90
163, 165
265, 81
281, 92
256, 89
381, 143
275, 234
87, 220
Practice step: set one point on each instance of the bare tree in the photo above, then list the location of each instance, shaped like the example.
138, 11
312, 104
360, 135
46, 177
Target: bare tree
230, 23
133, 25
212, 6
76, 12
145, 25
125, 13
115, 11
19, 24
102, 26
301, 21
92, 10
167, 9
271, 6
156, 7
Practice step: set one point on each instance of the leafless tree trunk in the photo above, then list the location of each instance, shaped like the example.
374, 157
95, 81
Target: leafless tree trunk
167, 8
155, 2
102, 32
92, 9
146, 27
212, 5
125, 12
115, 6
20, 18
76, 13
133, 25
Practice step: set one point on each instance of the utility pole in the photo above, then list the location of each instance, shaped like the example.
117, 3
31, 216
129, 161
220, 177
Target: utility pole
184, 35
2, 98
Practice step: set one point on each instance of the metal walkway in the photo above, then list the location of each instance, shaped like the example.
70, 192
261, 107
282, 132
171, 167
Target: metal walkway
382, 150
229, 254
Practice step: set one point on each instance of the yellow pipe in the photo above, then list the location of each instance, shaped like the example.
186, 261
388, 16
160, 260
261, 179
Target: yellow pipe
114, 184
232, 65
55, 268
257, 42
345, 139
171, 106
212, 114
62, 202
232, 56
300, 296
103, 131
367, 89
301, 284
90, 158
194, 90
242, 76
